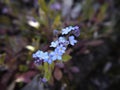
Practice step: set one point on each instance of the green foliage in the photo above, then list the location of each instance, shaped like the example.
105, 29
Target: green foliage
23, 68
102, 12
20, 38
87, 9
66, 57
44, 6
48, 70
57, 21
2, 58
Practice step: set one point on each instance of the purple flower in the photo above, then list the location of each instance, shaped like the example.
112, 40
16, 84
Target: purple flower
55, 6
55, 32
76, 27
43, 79
76, 31
72, 40
38, 61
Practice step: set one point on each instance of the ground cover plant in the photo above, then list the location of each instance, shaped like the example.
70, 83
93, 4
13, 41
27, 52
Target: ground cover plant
59, 45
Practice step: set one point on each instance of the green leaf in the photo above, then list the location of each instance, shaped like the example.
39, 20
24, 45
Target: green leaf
46, 66
87, 9
23, 68
52, 65
48, 75
43, 5
47, 71
102, 12
51, 1
2, 58
66, 57
4, 20
57, 21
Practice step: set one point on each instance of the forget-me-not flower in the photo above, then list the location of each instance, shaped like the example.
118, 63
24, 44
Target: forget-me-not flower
72, 40
60, 49
43, 79
54, 44
61, 39
38, 54
49, 59
67, 30
56, 55
60, 46
76, 31
45, 55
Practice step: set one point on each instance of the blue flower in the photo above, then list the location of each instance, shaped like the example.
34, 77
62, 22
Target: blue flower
38, 54
45, 55
67, 30
56, 55
60, 49
49, 59
38, 57
60, 46
54, 44
72, 40
62, 40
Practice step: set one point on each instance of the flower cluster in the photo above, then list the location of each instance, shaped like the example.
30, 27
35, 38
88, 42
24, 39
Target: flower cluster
66, 38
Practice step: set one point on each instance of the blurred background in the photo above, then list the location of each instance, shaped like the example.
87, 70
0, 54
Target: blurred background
29, 25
